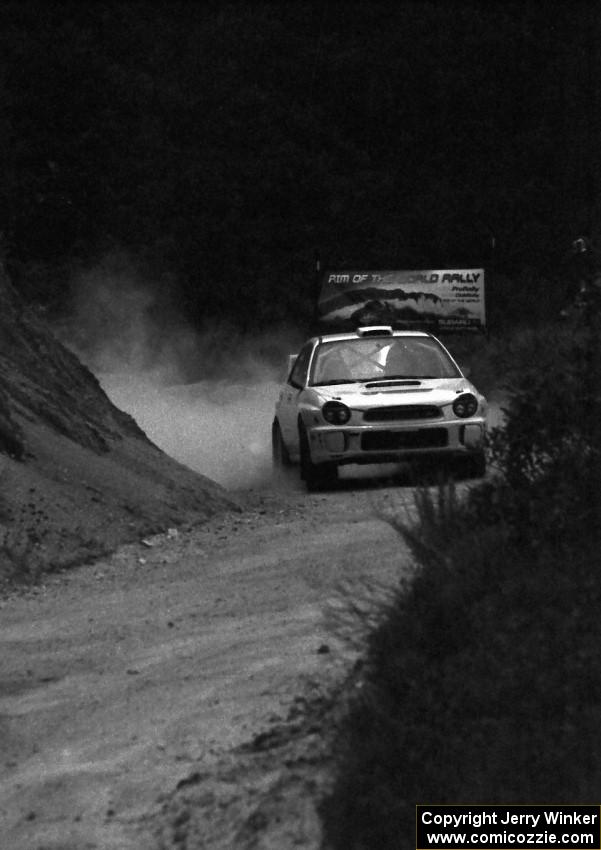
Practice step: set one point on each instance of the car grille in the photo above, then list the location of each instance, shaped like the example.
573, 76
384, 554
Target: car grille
427, 438
402, 412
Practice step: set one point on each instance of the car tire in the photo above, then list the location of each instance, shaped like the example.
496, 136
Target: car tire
317, 476
279, 453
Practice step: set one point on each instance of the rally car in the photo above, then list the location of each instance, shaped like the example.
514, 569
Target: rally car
376, 395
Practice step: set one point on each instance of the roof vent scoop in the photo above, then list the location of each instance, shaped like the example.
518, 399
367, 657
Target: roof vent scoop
375, 330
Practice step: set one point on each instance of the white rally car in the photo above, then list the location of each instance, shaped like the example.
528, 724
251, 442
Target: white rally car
376, 396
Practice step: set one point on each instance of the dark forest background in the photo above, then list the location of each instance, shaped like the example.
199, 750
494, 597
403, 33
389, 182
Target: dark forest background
219, 146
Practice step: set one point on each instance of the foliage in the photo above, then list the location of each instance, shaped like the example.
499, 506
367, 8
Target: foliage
482, 681
552, 416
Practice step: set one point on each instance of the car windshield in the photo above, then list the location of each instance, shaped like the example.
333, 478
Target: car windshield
373, 359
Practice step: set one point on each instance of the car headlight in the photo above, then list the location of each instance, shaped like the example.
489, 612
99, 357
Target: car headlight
336, 413
465, 405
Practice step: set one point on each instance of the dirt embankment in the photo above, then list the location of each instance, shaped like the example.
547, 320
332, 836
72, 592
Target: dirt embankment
77, 475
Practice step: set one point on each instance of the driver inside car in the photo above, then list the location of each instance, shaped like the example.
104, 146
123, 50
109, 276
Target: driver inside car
399, 362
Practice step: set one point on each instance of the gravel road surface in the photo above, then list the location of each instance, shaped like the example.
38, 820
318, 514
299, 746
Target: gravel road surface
178, 693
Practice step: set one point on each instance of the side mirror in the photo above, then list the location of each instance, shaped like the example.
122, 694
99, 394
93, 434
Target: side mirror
467, 371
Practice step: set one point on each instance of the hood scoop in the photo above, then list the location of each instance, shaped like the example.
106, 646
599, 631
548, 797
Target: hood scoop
385, 385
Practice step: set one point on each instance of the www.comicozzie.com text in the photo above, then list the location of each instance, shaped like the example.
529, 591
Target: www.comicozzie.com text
505, 839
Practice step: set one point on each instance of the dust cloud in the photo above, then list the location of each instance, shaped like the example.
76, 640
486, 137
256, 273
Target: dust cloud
205, 398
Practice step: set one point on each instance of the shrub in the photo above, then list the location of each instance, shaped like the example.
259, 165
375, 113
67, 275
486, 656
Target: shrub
483, 681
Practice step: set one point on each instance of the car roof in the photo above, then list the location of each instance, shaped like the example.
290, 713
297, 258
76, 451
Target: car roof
370, 333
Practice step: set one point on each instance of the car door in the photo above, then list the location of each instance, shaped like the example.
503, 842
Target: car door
288, 407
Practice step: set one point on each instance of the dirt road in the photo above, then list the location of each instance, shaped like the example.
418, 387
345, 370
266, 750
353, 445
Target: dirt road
128, 686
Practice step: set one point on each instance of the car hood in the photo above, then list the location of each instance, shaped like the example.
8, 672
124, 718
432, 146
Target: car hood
361, 396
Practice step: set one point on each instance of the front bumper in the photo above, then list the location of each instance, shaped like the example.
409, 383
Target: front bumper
382, 444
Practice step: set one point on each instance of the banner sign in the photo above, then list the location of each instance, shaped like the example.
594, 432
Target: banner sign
440, 299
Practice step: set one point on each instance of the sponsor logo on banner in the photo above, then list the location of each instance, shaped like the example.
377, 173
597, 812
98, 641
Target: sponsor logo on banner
444, 299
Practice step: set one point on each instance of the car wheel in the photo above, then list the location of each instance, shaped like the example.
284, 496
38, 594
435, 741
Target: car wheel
317, 476
279, 453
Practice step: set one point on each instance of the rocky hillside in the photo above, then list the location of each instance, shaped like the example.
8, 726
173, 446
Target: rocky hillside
77, 475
